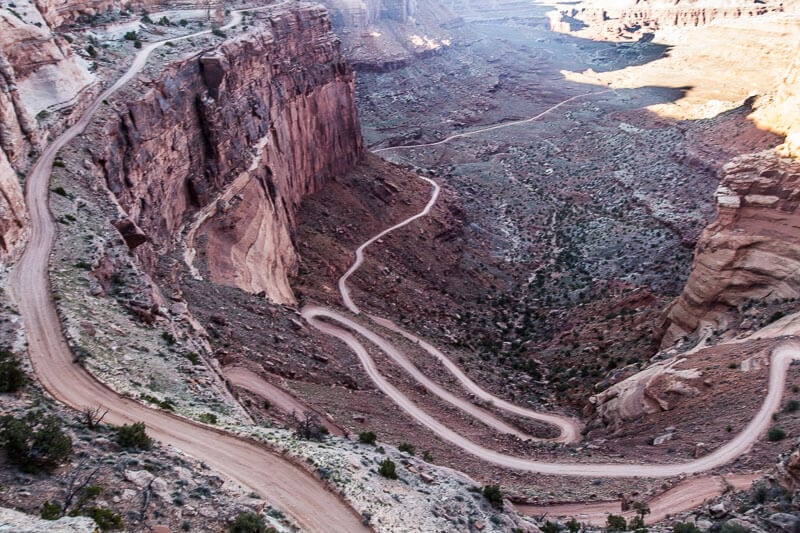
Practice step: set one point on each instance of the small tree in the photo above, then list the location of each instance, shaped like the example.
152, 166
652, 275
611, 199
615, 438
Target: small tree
637, 522
308, 427
388, 469
134, 436
367, 437
573, 526
493, 495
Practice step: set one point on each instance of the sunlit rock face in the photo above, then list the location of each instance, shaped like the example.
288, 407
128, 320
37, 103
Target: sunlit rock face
751, 252
271, 113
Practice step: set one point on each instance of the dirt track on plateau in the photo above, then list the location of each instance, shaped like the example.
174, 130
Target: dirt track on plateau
285, 485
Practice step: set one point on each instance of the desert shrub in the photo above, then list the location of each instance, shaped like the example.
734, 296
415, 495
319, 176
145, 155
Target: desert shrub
105, 518
50, 511
732, 527
218, 32
550, 527
367, 437
131, 36
573, 526
775, 434
493, 495
134, 436
12, 377
249, 522
616, 523
791, 406
406, 447
685, 527
208, 418
35, 443
388, 469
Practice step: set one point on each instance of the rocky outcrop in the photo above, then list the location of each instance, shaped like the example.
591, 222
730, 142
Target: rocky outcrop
270, 114
750, 252
657, 388
11, 520
360, 14
62, 13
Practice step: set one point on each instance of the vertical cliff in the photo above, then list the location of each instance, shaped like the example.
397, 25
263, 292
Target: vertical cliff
780, 111
751, 252
262, 120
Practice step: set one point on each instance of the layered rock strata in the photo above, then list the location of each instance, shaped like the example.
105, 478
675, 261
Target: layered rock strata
751, 252
656, 14
269, 115
780, 111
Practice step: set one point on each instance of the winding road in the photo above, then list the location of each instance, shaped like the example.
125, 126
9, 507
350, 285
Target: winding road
288, 486
284, 484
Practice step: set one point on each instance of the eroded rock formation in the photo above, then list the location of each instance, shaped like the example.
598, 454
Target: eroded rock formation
269, 114
750, 252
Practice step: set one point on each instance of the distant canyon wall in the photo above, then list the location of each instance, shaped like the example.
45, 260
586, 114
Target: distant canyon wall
272, 112
387, 34
780, 111
652, 15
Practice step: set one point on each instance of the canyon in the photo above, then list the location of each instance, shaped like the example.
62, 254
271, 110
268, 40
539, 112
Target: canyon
557, 237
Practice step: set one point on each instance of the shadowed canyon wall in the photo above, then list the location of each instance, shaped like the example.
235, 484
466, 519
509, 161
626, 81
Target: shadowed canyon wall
267, 117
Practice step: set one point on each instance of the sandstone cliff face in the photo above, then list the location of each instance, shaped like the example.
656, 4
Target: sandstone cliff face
751, 251
270, 114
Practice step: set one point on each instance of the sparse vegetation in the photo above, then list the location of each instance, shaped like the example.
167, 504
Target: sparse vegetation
791, 406
208, 418
50, 511
107, 519
685, 527
218, 32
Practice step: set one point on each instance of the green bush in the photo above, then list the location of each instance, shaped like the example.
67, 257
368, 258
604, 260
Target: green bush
388, 469
208, 418
137, 43
35, 443
493, 495
616, 523
731, 527
249, 522
12, 377
550, 527
218, 32
105, 518
131, 36
134, 436
775, 434
791, 406
573, 526
50, 511
367, 437
406, 447
685, 527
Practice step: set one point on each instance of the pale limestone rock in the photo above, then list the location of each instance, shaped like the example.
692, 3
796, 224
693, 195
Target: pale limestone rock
16, 522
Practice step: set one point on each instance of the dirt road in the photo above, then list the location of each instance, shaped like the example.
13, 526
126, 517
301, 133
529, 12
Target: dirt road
686, 495
285, 485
